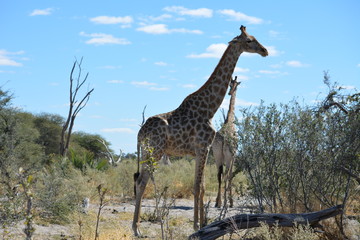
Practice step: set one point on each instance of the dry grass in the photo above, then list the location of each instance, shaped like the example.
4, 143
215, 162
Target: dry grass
265, 232
110, 228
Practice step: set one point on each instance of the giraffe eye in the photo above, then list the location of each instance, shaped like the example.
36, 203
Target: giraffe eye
248, 41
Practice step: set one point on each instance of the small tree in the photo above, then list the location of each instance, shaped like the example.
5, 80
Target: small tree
75, 106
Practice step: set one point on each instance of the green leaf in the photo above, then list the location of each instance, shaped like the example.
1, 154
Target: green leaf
30, 179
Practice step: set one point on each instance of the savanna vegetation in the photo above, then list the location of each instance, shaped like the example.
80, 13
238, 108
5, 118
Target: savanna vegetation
291, 158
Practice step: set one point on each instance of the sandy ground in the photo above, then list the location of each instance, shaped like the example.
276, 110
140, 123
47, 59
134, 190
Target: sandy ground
180, 209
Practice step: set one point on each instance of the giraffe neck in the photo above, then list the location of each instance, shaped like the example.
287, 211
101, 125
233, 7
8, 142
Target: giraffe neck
209, 97
229, 123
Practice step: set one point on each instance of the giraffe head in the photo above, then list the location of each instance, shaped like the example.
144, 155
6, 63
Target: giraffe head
233, 85
249, 43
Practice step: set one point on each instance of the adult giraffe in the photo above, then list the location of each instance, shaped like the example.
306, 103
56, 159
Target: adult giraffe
188, 129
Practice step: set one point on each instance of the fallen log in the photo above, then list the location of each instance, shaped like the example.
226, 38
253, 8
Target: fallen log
245, 221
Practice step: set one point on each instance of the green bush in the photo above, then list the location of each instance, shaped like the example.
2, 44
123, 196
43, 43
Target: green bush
295, 157
59, 191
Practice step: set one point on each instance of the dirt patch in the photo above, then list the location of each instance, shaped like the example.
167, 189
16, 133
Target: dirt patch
180, 220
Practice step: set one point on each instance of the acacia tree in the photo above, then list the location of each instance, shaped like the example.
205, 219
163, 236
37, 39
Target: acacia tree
75, 106
302, 158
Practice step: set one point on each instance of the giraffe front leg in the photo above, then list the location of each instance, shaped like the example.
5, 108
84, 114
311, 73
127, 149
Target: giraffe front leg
199, 189
140, 186
196, 205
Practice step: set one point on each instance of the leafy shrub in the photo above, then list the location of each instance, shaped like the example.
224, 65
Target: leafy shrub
82, 159
59, 192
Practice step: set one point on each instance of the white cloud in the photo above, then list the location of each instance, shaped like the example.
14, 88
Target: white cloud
273, 73
150, 19
190, 86
238, 102
239, 16
159, 88
243, 103
160, 18
273, 52
6, 60
115, 81
295, 63
273, 33
213, 51
217, 50
124, 21
111, 20
117, 130
143, 83
348, 87
269, 72
41, 12
237, 69
200, 12
102, 38
161, 63
163, 29
149, 85
358, 65
2, 71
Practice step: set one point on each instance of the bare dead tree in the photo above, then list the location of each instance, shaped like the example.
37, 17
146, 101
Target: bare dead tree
75, 106
113, 160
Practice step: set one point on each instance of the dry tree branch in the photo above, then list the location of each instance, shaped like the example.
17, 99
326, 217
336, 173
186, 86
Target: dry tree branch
109, 154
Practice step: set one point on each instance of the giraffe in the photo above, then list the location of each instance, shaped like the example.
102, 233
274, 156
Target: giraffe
188, 129
224, 147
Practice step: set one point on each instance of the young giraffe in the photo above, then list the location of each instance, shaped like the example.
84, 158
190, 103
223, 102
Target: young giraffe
224, 147
188, 129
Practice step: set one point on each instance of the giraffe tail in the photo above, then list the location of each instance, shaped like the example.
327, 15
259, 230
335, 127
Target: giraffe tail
137, 174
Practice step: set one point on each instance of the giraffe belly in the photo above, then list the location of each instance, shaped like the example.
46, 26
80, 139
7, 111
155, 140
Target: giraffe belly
178, 149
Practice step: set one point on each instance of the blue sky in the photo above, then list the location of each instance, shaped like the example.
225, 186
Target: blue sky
155, 53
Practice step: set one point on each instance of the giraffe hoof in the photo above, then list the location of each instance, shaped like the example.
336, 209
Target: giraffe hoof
196, 226
136, 232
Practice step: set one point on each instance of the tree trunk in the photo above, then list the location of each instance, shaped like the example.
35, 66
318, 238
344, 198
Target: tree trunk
245, 221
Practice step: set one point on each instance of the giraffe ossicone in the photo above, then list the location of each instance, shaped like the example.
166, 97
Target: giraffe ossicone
188, 129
